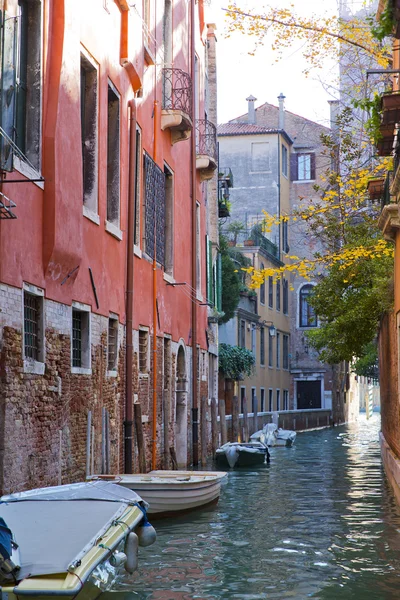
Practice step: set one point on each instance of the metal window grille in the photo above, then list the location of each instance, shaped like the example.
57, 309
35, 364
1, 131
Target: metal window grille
32, 306
154, 202
143, 344
77, 330
112, 344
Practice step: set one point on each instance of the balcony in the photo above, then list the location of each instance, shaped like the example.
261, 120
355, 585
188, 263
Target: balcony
177, 104
206, 148
225, 182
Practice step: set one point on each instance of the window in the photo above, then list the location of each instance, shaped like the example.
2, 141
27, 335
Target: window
138, 172
20, 79
278, 399
242, 397
198, 250
33, 327
112, 353
270, 399
262, 400
262, 286
260, 157
284, 160
254, 407
113, 157
278, 295
285, 294
285, 349
278, 350
285, 236
253, 340
303, 166
285, 399
307, 315
242, 334
167, 33
270, 351
270, 292
89, 133
262, 346
80, 338
169, 224
154, 209
143, 351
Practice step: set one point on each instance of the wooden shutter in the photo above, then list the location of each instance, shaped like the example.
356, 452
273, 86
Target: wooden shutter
312, 155
9, 32
294, 167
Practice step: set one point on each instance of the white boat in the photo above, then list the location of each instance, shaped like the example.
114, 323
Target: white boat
170, 493
236, 454
271, 435
69, 540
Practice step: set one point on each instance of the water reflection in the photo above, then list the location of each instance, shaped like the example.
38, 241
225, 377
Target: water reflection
320, 522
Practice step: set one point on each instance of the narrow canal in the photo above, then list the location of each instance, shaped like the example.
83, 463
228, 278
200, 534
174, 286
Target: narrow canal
319, 522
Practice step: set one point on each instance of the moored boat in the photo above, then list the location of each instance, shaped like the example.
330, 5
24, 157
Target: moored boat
170, 493
235, 454
271, 435
69, 540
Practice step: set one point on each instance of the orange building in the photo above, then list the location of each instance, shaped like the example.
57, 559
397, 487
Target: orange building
106, 155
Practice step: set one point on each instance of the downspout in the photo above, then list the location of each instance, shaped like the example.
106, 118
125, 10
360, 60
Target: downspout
195, 409
128, 423
154, 431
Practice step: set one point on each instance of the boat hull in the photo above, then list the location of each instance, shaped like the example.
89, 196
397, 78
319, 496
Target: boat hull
244, 460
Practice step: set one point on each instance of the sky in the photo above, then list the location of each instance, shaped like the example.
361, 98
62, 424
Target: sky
241, 75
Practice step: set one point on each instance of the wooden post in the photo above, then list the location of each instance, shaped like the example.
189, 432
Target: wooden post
173, 458
222, 420
137, 410
255, 412
88, 441
245, 421
214, 426
166, 406
235, 419
203, 430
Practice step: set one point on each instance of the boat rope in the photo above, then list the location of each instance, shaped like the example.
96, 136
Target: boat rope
105, 547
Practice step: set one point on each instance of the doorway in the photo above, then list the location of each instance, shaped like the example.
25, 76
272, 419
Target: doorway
308, 394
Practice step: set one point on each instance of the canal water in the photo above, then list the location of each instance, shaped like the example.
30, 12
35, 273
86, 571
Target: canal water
319, 522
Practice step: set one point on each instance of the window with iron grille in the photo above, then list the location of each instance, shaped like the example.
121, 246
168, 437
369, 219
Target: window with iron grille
80, 339
262, 399
89, 132
143, 350
270, 399
112, 350
307, 315
33, 341
285, 399
154, 209
278, 350
270, 351
278, 399
242, 334
167, 363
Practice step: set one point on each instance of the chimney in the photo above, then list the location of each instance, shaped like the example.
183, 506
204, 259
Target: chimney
281, 124
251, 111
333, 114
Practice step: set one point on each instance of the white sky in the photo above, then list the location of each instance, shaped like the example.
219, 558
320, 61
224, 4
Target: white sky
240, 74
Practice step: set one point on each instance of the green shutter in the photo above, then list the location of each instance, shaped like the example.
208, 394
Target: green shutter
209, 268
219, 283
9, 32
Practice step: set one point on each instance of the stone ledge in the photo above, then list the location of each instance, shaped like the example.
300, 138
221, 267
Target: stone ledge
389, 221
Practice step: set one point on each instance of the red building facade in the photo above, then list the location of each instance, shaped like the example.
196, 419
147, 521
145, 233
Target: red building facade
103, 122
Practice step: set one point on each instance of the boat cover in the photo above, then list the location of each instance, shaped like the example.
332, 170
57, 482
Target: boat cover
53, 525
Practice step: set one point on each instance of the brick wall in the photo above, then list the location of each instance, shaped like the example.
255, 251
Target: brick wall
388, 368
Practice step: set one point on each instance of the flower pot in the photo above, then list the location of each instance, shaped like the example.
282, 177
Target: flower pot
248, 243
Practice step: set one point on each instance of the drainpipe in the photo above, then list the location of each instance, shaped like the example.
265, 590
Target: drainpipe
154, 430
195, 409
128, 423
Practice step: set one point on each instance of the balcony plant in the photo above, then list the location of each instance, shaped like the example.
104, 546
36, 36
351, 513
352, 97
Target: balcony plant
235, 362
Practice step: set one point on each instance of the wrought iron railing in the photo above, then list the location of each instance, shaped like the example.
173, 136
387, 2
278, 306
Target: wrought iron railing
386, 198
206, 138
177, 90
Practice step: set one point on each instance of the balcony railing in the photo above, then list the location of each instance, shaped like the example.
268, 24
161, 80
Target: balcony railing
206, 138
177, 90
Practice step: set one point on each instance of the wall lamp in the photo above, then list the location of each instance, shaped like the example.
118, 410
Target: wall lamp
271, 327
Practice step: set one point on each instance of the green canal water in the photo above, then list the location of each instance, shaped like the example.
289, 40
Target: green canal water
319, 522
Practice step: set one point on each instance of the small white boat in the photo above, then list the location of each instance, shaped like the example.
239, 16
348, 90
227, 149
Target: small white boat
271, 435
69, 540
236, 454
171, 493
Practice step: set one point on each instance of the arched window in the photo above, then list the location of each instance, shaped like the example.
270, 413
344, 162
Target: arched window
307, 315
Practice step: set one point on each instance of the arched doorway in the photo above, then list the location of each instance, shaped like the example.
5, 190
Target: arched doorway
181, 409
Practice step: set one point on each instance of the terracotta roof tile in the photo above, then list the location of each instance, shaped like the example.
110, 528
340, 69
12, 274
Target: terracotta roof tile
243, 128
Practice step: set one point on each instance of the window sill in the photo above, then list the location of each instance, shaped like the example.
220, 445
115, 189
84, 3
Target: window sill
143, 375
137, 251
80, 371
168, 278
27, 171
91, 215
34, 367
112, 373
113, 230
304, 181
